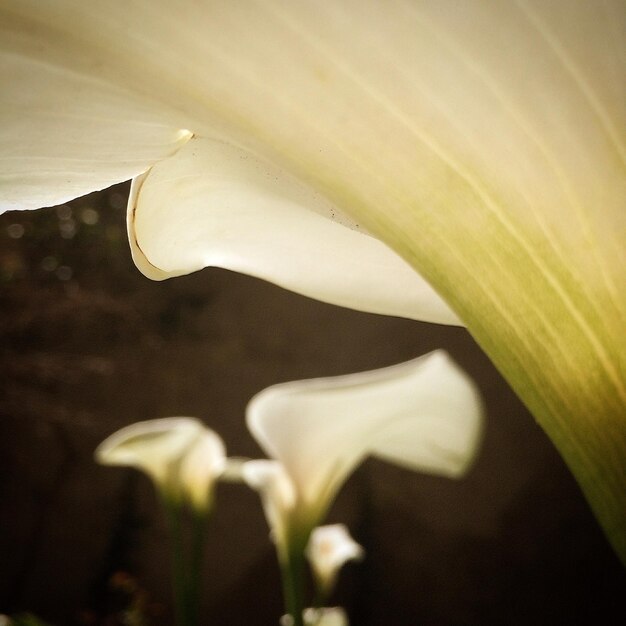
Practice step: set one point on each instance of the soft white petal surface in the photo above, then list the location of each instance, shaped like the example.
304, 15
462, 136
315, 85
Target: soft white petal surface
153, 446
66, 132
424, 414
329, 548
200, 467
277, 492
477, 126
213, 204
328, 616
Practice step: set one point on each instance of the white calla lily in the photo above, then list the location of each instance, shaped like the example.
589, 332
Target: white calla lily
327, 616
330, 547
181, 456
278, 495
424, 415
154, 446
184, 458
484, 142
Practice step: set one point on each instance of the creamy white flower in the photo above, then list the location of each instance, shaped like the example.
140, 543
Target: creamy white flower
69, 129
200, 467
424, 415
154, 446
181, 456
278, 495
328, 616
329, 548
238, 211
484, 141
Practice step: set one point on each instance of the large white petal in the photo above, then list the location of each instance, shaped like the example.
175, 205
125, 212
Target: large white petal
213, 204
64, 133
424, 414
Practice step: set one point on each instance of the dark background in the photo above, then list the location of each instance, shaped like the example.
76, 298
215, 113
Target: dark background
90, 345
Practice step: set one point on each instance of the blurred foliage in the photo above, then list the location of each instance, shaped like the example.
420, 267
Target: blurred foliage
129, 605
23, 619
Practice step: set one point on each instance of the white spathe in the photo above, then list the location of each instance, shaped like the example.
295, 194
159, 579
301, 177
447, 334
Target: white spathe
327, 616
214, 204
71, 122
65, 133
278, 495
424, 415
183, 457
329, 548
200, 467
492, 133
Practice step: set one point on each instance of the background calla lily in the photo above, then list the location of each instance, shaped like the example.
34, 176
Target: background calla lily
328, 616
200, 467
184, 458
424, 415
484, 142
278, 494
181, 456
330, 547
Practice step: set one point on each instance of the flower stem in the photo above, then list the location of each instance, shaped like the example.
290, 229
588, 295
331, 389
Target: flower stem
292, 570
320, 598
199, 519
179, 570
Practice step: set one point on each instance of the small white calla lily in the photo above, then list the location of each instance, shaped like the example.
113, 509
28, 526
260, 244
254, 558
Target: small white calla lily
328, 616
278, 494
329, 548
424, 415
153, 446
179, 454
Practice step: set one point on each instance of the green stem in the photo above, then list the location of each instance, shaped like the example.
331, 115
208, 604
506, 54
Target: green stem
320, 598
198, 535
179, 570
292, 570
